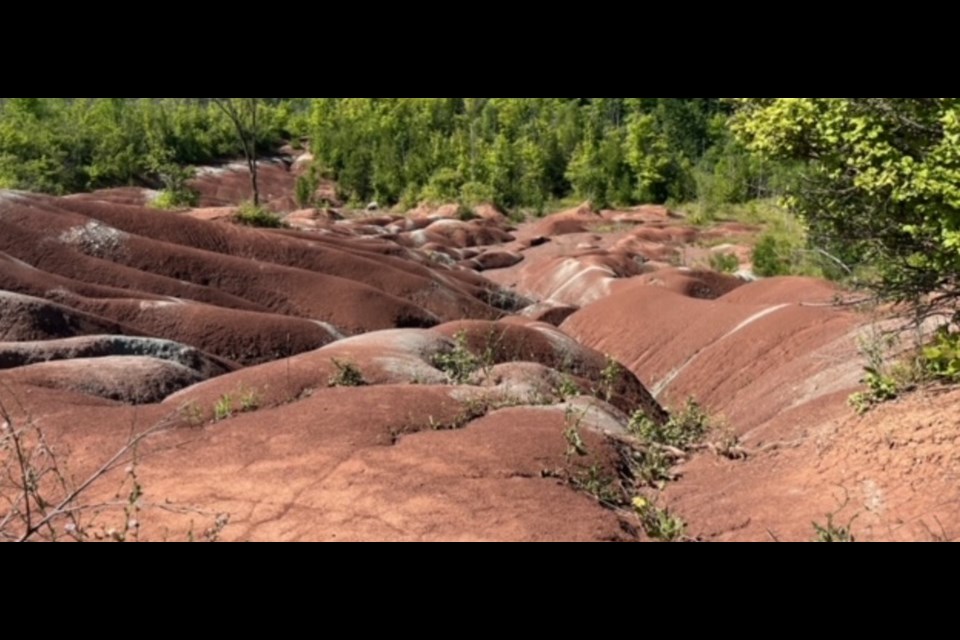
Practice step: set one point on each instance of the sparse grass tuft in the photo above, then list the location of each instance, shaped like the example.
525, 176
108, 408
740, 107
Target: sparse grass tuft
594, 481
223, 409
831, 532
567, 389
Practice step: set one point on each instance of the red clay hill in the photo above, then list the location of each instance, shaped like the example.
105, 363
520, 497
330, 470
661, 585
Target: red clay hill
441, 376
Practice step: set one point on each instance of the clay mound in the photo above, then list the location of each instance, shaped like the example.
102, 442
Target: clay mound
705, 285
501, 342
244, 337
401, 473
395, 276
891, 475
458, 234
416, 356
23, 318
748, 363
570, 280
577, 220
134, 196
549, 313
643, 214
428, 213
792, 290
20, 354
45, 256
229, 184
131, 380
311, 218
492, 260
84, 309
278, 288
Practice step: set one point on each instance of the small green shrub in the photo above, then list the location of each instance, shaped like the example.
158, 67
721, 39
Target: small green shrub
772, 257
941, 360
881, 388
176, 193
304, 192
724, 262
594, 481
685, 428
652, 467
168, 200
459, 363
347, 375
658, 523
610, 379
253, 216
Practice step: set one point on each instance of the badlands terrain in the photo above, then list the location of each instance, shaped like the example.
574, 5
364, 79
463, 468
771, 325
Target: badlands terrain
366, 376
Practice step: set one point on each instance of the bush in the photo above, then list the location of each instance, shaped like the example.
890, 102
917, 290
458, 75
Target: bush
685, 429
253, 216
724, 262
443, 187
459, 363
658, 523
879, 185
305, 189
474, 193
347, 375
774, 256
941, 360
168, 200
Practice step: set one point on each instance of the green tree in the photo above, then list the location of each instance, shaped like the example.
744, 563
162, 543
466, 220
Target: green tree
244, 114
881, 188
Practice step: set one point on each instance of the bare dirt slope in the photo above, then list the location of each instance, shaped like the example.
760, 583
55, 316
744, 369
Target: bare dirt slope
435, 376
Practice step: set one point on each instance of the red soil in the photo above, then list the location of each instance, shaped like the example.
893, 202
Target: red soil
244, 345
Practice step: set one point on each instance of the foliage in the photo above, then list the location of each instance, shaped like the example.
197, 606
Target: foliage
306, 187
594, 481
347, 375
941, 359
514, 152
610, 378
460, 363
724, 262
881, 185
658, 523
881, 388
65, 145
223, 408
684, 429
251, 215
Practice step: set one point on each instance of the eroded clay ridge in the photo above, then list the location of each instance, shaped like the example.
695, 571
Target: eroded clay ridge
418, 377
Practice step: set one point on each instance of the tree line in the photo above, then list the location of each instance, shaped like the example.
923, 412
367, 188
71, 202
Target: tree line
875, 181
515, 152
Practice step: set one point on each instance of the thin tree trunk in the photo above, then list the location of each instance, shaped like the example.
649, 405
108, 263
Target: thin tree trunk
254, 181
